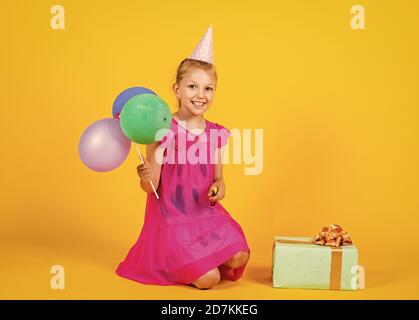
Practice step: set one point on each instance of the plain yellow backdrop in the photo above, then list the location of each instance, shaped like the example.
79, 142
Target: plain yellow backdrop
338, 108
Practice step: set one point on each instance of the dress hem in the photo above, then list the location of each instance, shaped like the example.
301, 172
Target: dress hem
187, 274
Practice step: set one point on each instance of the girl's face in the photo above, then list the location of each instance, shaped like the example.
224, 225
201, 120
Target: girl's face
195, 91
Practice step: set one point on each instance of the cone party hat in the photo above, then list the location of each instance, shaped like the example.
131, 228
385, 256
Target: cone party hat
204, 49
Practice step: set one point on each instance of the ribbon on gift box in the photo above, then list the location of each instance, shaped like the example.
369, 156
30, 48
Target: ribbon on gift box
332, 236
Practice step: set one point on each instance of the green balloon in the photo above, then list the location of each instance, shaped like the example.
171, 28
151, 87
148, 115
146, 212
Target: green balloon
143, 116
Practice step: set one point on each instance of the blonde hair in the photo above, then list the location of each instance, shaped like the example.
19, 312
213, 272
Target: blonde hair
188, 64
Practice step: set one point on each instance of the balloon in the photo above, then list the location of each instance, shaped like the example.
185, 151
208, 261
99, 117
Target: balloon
103, 146
124, 96
143, 116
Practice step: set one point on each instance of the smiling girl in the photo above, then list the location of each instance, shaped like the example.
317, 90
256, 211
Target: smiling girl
188, 237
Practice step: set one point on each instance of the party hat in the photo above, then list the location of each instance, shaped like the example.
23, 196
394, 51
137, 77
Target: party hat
203, 50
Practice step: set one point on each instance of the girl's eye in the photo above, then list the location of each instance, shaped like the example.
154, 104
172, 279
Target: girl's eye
191, 86
209, 89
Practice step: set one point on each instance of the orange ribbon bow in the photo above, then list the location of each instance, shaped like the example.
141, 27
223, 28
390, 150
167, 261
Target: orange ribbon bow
333, 236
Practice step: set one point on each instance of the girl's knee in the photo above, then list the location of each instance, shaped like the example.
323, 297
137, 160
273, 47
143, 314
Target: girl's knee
208, 280
239, 259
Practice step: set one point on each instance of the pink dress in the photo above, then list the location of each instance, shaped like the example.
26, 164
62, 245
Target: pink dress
183, 235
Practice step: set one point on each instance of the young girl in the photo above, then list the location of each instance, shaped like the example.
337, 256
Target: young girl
187, 237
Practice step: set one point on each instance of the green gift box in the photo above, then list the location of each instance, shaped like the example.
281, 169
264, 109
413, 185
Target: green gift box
299, 262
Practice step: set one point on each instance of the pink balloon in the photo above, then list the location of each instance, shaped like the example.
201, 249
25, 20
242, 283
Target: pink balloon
103, 146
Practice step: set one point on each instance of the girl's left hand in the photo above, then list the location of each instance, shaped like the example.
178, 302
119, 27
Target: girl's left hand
219, 187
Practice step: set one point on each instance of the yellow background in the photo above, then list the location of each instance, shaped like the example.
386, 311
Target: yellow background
339, 110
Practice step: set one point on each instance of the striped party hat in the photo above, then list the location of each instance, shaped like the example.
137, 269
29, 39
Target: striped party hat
204, 50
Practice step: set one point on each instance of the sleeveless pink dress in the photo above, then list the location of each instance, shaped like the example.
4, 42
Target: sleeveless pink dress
183, 235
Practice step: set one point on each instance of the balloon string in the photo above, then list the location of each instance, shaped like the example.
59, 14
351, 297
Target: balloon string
151, 182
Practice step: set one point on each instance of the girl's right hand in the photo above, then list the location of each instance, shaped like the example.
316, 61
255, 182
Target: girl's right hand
144, 171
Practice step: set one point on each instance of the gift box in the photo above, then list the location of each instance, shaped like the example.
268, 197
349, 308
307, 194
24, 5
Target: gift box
327, 261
